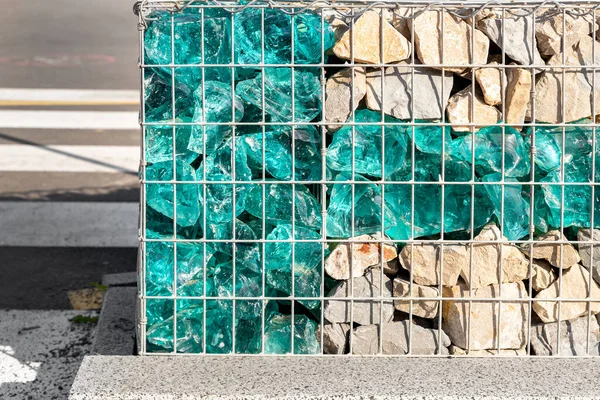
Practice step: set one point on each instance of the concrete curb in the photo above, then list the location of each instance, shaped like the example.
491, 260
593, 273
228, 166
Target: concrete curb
115, 334
120, 279
227, 377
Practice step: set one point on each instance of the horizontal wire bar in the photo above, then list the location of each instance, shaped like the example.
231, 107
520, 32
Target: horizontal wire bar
387, 299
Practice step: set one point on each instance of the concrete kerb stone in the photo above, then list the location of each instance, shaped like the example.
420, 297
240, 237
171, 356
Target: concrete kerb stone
115, 334
228, 377
120, 279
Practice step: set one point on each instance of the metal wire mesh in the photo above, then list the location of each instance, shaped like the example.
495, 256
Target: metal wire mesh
195, 296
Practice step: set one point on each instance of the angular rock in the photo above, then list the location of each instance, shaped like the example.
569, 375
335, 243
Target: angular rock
518, 92
364, 36
491, 82
424, 261
589, 259
573, 284
456, 41
485, 330
365, 312
457, 351
424, 341
339, 103
549, 31
420, 308
517, 42
487, 258
573, 338
391, 267
429, 102
459, 111
543, 275
364, 255
552, 251
335, 338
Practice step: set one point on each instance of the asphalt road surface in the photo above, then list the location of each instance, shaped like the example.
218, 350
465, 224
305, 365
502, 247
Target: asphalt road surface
69, 147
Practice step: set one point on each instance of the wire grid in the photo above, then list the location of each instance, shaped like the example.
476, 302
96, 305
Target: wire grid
149, 11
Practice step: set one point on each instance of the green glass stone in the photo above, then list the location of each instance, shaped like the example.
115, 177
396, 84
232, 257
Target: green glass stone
310, 39
219, 200
190, 268
367, 205
159, 268
367, 146
219, 107
306, 264
278, 335
161, 196
248, 326
159, 143
278, 93
428, 138
515, 215
159, 226
278, 205
278, 152
159, 338
218, 163
489, 151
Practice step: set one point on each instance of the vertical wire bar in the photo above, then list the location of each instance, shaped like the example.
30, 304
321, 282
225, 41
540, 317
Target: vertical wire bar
142, 261
293, 178
473, 178
352, 181
323, 179
174, 178
412, 184
264, 177
381, 244
442, 178
234, 179
204, 190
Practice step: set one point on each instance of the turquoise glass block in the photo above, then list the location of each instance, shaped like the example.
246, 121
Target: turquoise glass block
159, 268
367, 206
308, 32
248, 326
159, 143
278, 335
515, 213
278, 93
367, 146
159, 336
220, 201
190, 268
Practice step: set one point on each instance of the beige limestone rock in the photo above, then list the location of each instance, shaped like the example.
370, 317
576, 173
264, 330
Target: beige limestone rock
552, 251
401, 20
549, 31
589, 259
487, 258
485, 330
420, 308
573, 284
424, 260
391, 267
543, 275
457, 351
456, 41
338, 95
459, 111
518, 93
365, 312
335, 337
399, 94
366, 41
573, 338
395, 340
364, 255
491, 83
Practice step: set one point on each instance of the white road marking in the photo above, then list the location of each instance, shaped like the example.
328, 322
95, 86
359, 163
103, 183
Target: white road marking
62, 96
68, 224
69, 119
66, 158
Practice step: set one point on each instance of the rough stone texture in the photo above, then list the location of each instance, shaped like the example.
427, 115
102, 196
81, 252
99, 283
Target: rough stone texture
364, 255
338, 101
334, 378
456, 41
367, 49
429, 102
115, 334
549, 31
585, 251
575, 283
457, 351
485, 269
491, 83
518, 93
552, 251
401, 20
517, 42
459, 111
426, 261
573, 338
120, 279
335, 337
543, 275
391, 267
366, 312
396, 336
424, 308
485, 330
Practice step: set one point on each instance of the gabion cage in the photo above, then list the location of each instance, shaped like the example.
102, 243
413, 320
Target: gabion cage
369, 178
